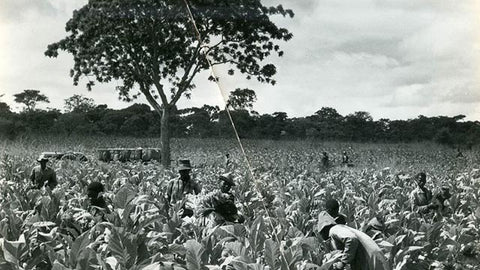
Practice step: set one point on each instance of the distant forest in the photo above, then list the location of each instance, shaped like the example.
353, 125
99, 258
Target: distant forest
85, 118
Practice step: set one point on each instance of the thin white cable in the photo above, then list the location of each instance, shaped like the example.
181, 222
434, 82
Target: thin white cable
225, 99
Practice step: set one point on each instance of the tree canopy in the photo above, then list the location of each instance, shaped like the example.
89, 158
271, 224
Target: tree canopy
30, 98
151, 46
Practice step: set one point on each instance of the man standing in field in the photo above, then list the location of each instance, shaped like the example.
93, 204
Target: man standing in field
184, 184
420, 197
345, 158
42, 175
358, 249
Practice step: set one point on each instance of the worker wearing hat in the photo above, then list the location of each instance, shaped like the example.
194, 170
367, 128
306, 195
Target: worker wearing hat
42, 175
222, 202
177, 188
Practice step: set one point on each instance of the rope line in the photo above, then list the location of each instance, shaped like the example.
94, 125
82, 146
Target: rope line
247, 161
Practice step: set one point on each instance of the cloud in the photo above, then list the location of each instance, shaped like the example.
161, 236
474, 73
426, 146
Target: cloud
12, 11
395, 59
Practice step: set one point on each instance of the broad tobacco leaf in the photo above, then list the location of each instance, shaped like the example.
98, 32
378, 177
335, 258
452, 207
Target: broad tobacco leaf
272, 254
13, 250
194, 255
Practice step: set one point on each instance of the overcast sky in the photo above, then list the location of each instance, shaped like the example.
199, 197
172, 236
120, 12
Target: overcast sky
396, 59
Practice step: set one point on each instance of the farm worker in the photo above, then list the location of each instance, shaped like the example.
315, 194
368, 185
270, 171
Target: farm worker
222, 202
325, 160
94, 193
438, 202
345, 158
98, 206
459, 153
42, 175
332, 206
420, 197
184, 184
358, 249
228, 162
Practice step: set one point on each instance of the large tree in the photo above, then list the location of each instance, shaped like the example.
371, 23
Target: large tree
30, 98
151, 46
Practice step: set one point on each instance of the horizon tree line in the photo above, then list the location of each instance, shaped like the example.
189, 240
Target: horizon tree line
82, 116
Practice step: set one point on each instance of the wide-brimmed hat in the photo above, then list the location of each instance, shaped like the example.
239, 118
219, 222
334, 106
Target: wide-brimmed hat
228, 178
184, 164
324, 221
42, 158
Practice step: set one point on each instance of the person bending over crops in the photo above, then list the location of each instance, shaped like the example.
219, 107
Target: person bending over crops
42, 175
332, 207
420, 197
94, 193
184, 184
222, 203
438, 202
357, 249
98, 206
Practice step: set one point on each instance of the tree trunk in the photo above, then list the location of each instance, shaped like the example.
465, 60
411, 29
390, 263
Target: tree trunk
165, 136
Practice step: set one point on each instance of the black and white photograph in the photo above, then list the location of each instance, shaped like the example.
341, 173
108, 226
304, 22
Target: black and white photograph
239, 135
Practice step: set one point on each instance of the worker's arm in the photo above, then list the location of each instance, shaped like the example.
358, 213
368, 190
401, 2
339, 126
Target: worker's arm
32, 176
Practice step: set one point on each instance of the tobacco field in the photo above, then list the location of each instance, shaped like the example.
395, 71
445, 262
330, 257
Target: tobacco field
43, 229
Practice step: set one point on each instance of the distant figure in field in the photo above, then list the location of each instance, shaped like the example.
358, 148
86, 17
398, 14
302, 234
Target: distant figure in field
359, 251
42, 175
325, 160
222, 202
345, 158
420, 197
332, 207
184, 184
459, 153
228, 162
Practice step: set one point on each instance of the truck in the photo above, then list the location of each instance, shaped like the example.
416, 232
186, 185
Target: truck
129, 154
69, 155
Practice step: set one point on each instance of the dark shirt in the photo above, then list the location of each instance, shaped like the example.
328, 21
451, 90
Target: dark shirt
177, 189
341, 219
99, 202
39, 177
325, 161
223, 205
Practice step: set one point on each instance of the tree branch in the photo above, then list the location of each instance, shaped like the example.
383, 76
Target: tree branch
189, 80
151, 99
185, 81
